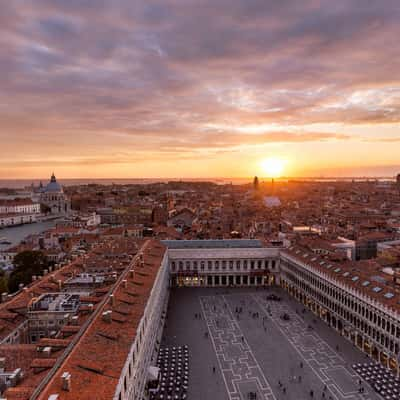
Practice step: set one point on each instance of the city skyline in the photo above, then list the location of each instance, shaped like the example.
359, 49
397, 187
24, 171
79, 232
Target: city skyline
170, 89
199, 199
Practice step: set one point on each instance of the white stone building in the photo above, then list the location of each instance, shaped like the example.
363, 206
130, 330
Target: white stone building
19, 206
54, 198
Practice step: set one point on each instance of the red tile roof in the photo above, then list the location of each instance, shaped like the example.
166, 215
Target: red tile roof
96, 361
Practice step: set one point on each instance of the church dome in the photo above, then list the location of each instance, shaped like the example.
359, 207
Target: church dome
53, 186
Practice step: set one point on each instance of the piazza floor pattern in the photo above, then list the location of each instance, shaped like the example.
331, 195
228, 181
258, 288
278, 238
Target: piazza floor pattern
241, 371
256, 351
325, 362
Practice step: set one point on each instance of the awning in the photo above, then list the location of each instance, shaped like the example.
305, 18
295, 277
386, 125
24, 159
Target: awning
153, 373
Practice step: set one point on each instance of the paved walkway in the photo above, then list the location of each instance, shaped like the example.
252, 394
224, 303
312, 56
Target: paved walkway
331, 369
241, 371
256, 351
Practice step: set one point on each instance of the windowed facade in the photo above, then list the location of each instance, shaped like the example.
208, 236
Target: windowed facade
369, 326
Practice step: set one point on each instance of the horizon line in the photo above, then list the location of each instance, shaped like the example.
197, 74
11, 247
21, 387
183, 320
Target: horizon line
218, 178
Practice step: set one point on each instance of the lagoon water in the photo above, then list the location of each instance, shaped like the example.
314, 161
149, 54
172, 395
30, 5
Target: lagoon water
16, 233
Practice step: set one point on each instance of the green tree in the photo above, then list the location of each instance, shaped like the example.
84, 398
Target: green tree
26, 264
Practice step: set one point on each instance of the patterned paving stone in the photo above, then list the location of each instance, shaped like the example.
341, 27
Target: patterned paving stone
254, 354
241, 372
328, 366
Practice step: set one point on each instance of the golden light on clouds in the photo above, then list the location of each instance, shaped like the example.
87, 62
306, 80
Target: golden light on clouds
208, 92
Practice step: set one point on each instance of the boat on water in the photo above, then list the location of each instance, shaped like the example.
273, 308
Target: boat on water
4, 240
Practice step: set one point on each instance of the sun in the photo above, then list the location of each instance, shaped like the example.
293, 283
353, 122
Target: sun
273, 167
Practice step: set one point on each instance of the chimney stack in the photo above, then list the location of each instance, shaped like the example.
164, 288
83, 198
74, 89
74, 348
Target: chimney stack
112, 300
2, 364
15, 377
66, 381
107, 316
125, 283
47, 351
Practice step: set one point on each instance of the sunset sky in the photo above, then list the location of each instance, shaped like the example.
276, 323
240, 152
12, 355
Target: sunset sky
184, 88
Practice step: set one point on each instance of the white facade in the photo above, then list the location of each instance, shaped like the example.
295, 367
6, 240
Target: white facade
224, 266
54, 198
19, 207
371, 326
16, 219
144, 349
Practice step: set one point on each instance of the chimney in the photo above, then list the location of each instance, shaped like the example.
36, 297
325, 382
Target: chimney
53, 397
2, 364
15, 377
74, 320
33, 278
45, 272
59, 284
112, 300
66, 381
20, 286
131, 273
46, 351
107, 316
90, 306
4, 297
125, 283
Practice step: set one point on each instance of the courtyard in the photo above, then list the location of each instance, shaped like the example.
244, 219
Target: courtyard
243, 346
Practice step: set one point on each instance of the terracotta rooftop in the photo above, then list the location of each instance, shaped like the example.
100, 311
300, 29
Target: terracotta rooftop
96, 360
16, 202
13, 312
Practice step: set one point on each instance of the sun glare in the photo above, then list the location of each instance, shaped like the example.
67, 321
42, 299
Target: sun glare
273, 167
